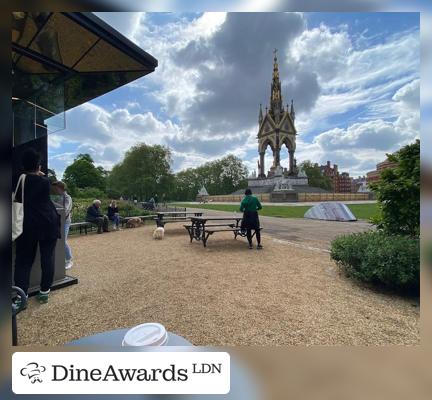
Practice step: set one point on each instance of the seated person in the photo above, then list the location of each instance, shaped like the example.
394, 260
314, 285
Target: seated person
113, 214
96, 217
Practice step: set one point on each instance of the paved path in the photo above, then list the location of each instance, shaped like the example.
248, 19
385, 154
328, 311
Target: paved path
302, 231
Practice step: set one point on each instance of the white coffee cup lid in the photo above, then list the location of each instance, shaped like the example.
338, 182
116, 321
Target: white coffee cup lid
149, 334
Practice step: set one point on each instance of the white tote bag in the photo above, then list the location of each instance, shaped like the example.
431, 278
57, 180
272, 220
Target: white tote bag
18, 210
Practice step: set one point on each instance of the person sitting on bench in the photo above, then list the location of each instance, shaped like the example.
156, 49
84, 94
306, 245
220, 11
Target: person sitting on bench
96, 217
113, 214
250, 206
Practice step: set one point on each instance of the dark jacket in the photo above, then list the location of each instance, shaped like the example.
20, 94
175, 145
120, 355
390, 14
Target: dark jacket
112, 211
41, 219
92, 213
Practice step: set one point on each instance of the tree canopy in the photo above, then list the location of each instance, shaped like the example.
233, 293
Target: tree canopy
51, 175
144, 172
222, 176
82, 173
398, 192
315, 177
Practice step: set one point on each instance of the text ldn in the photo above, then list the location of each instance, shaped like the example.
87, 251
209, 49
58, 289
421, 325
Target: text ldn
204, 368
62, 373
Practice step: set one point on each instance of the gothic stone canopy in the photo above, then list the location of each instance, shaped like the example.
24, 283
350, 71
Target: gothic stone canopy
276, 128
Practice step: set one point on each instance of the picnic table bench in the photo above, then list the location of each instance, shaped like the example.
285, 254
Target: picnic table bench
200, 230
164, 217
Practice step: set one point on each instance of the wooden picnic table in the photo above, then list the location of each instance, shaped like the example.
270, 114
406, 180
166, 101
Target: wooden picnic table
200, 229
163, 217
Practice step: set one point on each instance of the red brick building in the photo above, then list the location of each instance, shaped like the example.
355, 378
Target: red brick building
373, 176
341, 182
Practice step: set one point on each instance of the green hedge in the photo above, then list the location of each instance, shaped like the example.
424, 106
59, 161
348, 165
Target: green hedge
378, 258
125, 209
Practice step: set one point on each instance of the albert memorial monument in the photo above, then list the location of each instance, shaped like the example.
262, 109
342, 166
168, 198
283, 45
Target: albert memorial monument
276, 129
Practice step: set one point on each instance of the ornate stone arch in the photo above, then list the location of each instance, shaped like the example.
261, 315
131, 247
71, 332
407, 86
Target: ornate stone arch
264, 143
288, 142
262, 147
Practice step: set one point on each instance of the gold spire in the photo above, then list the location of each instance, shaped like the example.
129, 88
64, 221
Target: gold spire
276, 95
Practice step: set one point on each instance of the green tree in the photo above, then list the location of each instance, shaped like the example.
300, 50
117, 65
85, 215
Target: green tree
398, 192
222, 176
187, 183
144, 172
51, 175
315, 177
82, 173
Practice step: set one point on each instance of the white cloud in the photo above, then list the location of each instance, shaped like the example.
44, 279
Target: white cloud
107, 135
125, 22
409, 95
215, 69
322, 51
361, 145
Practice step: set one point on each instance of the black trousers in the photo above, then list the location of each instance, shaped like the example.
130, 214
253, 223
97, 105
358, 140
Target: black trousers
101, 222
25, 254
257, 235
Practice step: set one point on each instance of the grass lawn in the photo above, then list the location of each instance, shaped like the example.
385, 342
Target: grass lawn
361, 211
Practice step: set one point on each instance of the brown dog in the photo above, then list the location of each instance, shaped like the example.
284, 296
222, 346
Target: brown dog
133, 222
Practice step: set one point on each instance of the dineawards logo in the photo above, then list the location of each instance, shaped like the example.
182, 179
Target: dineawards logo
33, 371
165, 372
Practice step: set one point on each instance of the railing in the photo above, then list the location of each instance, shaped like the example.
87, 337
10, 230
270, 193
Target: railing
332, 196
313, 197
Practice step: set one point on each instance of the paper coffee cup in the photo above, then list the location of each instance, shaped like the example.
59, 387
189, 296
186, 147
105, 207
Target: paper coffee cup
149, 334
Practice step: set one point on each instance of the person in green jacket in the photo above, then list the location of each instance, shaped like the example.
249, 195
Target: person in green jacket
250, 206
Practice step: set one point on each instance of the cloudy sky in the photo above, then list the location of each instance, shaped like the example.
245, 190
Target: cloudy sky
354, 79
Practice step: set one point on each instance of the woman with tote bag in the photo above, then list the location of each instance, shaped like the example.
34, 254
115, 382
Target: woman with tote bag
41, 226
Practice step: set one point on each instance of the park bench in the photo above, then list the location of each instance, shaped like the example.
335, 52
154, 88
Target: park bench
190, 227
81, 226
160, 222
173, 216
234, 229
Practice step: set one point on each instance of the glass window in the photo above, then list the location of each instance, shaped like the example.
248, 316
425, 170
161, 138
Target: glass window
86, 86
63, 40
25, 25
30, 66
105, 57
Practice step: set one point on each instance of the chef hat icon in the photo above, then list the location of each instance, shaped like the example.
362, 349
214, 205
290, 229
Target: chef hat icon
32, 371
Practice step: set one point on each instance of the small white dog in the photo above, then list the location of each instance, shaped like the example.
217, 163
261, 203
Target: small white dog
159, 233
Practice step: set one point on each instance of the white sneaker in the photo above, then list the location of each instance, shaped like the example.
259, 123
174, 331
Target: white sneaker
68, 264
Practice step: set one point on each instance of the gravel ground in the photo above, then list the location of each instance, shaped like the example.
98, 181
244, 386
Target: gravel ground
225, 294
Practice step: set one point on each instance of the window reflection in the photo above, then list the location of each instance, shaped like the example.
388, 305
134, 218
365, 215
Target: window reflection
25, 25
83, 87
104, 57
63, 40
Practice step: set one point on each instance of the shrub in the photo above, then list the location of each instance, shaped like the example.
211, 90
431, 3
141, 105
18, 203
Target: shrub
89, 192
379, 258
125, 209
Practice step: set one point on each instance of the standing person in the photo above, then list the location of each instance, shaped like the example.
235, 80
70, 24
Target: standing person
66, 203
250, 206
41, 227
152, 203
156, 199
113, 214
96, 217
